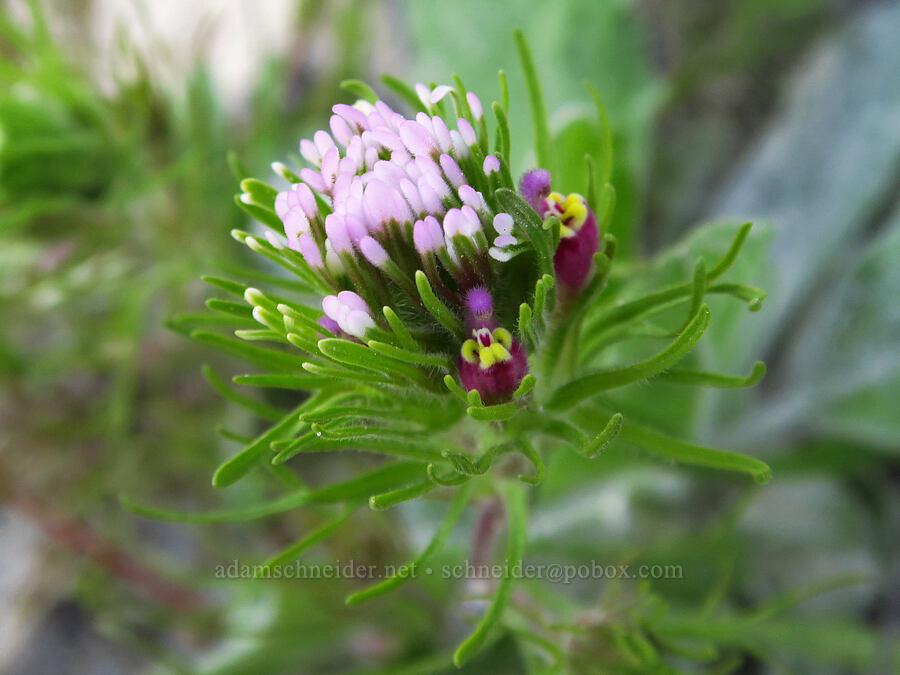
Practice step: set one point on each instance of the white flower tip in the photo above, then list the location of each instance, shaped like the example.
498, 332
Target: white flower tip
499, 254
254, 296
259, 315
503, 223
274, 239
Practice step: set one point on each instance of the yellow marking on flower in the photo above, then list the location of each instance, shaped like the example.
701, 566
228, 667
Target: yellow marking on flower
469, 350
502, 336
572, 211
499, 351
487, 348
486, 357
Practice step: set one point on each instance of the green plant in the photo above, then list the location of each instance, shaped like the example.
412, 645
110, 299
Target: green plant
504, 334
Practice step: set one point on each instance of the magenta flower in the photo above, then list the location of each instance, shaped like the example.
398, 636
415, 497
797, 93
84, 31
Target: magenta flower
578, 236
493, 363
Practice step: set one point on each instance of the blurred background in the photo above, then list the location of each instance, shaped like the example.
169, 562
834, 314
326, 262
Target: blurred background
116, 119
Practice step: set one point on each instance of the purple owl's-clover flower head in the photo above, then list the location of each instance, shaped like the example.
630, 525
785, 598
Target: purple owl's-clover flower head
385, 198
579, 237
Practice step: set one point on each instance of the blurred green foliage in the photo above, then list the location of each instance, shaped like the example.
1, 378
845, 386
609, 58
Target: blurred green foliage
113, 204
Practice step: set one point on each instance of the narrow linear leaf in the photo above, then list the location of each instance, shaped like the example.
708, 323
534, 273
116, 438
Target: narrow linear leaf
361, 89
702, 378
689, 453
493, 413
396, 447
233, 287
229, 435
261, 193
408, 356
279, 381
355, 354
732, 253
531, 225
605, 156
338, 374
310, 540
454, 388
525, 386
185, 324
534, 457
585, 387
231, 308
265, 411
403, 335
503, 142
263, 215
604, 438
542, 142
260, 356
698, 289
513, 495
404, 91
386, 500
435, 307
504, 90
237, 466
383, 478
408, 570
752, 295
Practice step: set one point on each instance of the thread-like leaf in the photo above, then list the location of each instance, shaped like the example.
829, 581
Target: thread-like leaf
585, 387
261, 193
310, 540
493, 413
504, 90
525, 386
752, 295
386, 500
404, 91
406, 448
513, 495
358, 488
408, 570
355, 354
435, 307
265, 411
265, 216
260, 356
732, 253
697, 455
361, 89
281, 381
235, 467
403, 335
605, 155
503, 142
454, 388
531, 226
702, 378
604, 438
542, 141
409, 356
